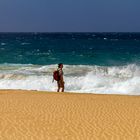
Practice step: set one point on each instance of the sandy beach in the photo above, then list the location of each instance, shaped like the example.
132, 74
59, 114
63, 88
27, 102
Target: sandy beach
32, 115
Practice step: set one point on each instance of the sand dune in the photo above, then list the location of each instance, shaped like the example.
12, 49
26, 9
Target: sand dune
31, 115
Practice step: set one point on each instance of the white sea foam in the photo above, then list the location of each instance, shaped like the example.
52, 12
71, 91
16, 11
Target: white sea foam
78, 78
3, 44
25, 43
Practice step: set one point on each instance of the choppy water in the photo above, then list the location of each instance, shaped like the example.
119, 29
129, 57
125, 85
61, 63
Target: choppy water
93, 62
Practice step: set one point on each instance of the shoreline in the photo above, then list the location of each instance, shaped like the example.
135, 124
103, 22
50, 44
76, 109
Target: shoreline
45, 115
73, 93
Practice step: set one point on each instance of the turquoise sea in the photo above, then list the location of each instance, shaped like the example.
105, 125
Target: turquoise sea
93, 62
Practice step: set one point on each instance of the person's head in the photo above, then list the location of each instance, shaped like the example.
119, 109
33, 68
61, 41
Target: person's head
60, 65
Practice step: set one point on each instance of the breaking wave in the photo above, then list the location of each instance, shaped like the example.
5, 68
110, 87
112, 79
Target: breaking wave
78, 78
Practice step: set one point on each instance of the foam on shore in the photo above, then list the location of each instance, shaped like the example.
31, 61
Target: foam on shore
78, 78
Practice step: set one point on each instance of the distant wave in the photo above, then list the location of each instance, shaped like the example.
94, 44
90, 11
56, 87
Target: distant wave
25, 43
78, 78
3, 44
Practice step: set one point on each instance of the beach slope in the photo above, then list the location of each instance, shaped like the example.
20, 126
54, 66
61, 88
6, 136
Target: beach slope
33, 115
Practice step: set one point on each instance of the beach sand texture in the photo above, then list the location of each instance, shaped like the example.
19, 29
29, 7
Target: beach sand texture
32, 115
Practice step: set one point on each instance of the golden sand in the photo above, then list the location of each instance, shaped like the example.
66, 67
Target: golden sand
31, 115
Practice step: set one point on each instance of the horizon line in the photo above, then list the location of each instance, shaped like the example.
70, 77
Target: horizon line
65, 32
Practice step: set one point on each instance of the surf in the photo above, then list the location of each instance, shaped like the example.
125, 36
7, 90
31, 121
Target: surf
78, 78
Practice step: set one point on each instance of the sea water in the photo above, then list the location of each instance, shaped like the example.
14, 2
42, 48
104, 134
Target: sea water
104, 63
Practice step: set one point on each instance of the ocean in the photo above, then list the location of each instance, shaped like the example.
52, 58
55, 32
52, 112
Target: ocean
103, 63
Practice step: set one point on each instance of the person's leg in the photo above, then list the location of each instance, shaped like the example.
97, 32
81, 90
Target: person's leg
58, 89
63, 87
58, 84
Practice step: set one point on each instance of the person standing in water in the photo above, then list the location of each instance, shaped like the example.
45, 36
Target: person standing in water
60, 82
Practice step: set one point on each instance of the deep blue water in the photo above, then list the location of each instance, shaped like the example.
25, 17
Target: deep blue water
103, 49
93, 62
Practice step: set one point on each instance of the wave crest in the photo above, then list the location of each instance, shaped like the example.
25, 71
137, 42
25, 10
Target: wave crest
78, 78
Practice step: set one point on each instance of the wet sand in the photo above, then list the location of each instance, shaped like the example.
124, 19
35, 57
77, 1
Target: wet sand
32, 115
